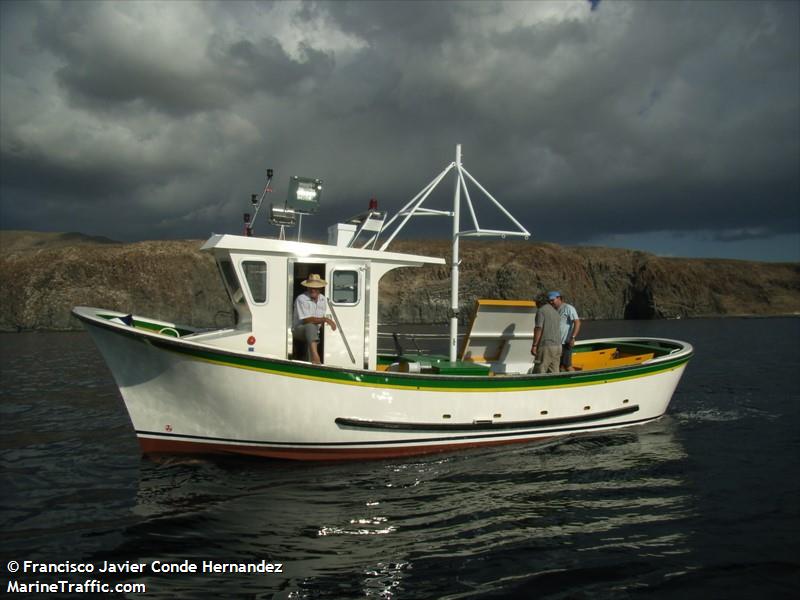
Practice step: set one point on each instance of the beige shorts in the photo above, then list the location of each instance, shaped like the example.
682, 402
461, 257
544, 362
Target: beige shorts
547, 359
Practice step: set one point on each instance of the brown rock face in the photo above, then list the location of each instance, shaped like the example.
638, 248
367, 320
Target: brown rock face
43, 276
602, 283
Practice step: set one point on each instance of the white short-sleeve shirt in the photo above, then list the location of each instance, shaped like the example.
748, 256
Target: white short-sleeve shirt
305, 307
568, 317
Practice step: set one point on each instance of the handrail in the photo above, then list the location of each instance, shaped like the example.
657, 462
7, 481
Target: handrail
339, 329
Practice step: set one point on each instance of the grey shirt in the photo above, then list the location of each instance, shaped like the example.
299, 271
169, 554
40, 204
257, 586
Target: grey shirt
549, 320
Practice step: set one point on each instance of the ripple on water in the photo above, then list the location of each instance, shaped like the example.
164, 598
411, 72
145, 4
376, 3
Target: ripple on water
686, 503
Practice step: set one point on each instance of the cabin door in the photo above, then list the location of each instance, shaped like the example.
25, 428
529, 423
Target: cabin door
347, 303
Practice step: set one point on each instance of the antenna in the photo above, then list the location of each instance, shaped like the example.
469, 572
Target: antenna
256, 202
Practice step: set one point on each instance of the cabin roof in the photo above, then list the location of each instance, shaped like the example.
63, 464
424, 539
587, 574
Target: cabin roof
240, 243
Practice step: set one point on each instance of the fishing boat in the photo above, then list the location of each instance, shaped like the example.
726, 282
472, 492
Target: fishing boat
249, 388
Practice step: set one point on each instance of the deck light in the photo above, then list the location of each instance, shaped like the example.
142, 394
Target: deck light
304, 195
280, 216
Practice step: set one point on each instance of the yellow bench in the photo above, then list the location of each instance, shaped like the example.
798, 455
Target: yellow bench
606, 358
596, 359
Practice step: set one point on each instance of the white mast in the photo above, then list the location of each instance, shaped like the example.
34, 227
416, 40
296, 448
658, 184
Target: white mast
454, 265
414, 208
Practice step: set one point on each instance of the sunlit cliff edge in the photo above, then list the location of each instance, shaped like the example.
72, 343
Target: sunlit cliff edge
43, 275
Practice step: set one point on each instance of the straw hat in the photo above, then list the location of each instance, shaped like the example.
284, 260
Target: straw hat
314, 281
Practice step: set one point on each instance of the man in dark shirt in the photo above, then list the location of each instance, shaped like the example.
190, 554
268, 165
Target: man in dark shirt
546, 339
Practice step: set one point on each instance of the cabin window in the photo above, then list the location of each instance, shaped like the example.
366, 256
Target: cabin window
345, 287
255, 273
231, 281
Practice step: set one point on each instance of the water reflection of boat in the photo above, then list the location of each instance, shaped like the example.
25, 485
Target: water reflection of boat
245, 390
366, 529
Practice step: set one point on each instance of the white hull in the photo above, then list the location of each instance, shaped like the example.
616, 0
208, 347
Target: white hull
190, 397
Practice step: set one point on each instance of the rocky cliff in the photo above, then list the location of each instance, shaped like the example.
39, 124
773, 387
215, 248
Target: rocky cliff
603, 283
42, 276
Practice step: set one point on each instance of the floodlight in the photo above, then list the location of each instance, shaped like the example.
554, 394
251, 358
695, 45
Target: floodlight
304, 195
285, 217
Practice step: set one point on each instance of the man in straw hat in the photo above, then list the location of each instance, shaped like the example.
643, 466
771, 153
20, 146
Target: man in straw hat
310, 308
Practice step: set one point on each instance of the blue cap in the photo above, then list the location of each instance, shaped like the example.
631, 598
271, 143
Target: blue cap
553, 295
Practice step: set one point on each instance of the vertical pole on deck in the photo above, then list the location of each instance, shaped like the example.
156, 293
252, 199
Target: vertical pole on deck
454, 265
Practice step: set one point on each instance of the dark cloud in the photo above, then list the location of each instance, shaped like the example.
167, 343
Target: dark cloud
410, 25
750, 233
588, 124
682, 207
107, 63
135, 70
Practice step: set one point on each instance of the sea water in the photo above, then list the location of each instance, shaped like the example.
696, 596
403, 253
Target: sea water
704, 503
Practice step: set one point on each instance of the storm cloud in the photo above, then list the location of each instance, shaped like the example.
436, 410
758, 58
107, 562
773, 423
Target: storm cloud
634, 121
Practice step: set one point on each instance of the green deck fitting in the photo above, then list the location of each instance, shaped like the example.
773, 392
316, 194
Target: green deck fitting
438, 364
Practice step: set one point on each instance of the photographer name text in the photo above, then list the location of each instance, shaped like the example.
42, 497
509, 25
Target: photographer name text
154, 566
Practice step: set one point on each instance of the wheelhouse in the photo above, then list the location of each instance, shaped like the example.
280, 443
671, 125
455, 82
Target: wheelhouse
262, 278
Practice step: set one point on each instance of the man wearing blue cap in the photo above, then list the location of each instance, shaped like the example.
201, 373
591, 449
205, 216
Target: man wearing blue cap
570, 326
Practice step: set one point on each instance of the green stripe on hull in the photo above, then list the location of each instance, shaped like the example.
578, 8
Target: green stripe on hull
148, 326
425, 382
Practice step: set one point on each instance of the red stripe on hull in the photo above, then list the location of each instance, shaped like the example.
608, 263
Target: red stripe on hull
162, 446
